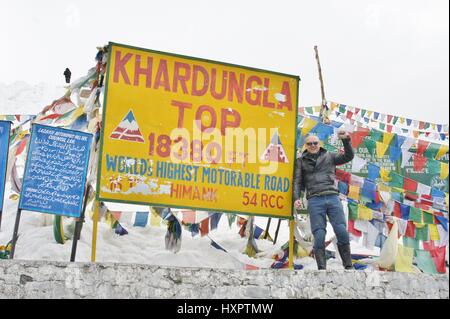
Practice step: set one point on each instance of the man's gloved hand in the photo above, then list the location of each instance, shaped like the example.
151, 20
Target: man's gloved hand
300, 204
343, 135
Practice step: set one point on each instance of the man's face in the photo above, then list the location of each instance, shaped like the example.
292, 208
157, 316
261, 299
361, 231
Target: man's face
312, 144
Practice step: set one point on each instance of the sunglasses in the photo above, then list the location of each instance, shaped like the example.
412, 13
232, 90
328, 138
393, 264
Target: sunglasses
312, 143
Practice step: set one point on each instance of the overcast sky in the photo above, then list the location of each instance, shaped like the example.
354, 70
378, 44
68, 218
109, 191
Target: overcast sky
384, 55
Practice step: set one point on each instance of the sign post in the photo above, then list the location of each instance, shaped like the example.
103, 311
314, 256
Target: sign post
55, 174
5, 128
192, 133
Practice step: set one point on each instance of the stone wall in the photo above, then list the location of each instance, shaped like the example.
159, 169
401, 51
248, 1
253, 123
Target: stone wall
42, 279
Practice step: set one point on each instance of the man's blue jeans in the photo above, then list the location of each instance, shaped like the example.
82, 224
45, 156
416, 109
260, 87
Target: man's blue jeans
318, 208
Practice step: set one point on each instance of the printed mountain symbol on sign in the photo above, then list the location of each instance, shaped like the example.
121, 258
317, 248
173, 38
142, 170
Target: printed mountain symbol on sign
275, 151
128, 130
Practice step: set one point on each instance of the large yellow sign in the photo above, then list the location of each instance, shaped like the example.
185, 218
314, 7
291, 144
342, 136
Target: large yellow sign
186, 132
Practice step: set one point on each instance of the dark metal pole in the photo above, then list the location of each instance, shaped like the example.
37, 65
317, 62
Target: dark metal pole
276, 232
266, 232
16, 230
78, 225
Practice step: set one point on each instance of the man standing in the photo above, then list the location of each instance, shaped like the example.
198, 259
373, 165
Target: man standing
315, 173
67, 75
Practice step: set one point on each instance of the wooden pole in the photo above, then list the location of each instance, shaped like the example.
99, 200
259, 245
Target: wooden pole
94, 231
322, 89
291, 243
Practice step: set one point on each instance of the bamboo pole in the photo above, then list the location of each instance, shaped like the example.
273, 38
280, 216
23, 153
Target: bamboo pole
94, 231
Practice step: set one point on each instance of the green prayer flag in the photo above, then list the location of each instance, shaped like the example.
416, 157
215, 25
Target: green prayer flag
411, 242
433, 166
309, 110
341, 108
352, 211
396, 180
427, 125
371, 145
395, 120
425, 262
422, 233
363, 112
382, 126
376, 135
432, 150
428, 218
415, 214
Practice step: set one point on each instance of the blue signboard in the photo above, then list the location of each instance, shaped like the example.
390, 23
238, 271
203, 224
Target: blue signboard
55, 171
5, 127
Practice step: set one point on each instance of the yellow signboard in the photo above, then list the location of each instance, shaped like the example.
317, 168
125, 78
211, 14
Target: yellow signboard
186, 132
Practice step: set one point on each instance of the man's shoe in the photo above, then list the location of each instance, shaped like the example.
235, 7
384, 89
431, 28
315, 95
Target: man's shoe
344, 251
321, 260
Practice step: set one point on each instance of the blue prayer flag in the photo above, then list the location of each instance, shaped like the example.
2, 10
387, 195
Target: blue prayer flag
394, 153
373, 171
343, 187
404, 209
141, 219
369, 189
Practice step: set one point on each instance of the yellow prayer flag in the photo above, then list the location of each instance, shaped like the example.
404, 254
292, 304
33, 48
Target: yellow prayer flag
381, 149
442, 150
109, 219
384, 187
333, 105
155, 219
402, 120
384, 174
433, 126
416, 134
390, 248
73, 117
317, 109
403, 262
369, 113
353, 192
387, 137
434, 233
420, 225
444, 170
364, 213
308, 125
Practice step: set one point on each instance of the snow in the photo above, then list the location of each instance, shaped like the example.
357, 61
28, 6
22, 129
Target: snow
132, 126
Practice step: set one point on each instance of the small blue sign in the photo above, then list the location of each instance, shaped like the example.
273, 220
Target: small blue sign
55, 171
5, 128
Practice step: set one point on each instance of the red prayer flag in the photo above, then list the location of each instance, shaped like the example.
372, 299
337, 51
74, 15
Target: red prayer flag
419, 162
422, 146
389, 128
438, 255
397, 210
410, 229
204, 227
352, 230
389, 118
21, 146
343, 176
357, 137
349, 114
429, 245
410, 185
421, 125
